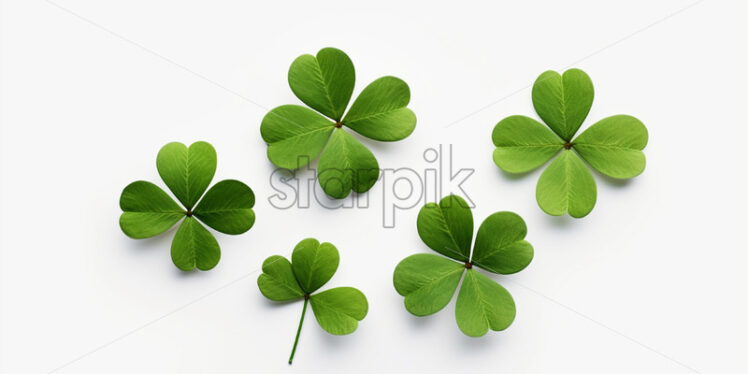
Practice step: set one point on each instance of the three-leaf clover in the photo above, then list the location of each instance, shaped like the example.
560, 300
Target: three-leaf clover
226, 207
612, 146
296, 135
428, 281
312, 264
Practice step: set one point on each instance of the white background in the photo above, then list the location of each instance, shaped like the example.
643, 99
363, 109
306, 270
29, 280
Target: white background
654, 280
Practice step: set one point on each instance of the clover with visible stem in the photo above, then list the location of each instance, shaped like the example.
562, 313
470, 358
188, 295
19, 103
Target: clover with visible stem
612, 146
226, 207
428, 281
297, 135
312, 264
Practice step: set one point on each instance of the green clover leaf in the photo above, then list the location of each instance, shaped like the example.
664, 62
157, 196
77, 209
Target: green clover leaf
296, 135
337, 310
428, 281
225, 207
612, 146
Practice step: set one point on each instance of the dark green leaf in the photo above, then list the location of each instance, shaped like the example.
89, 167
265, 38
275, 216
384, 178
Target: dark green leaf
563, 102
380, 111
325, 82
227, 207
194, 246
187, 171
295, 135
346, 165
338, 310
567, 185
483, 304
499, 245
314, 263
147, 210
277, 281
447, 227
427, 281
613, 146
523, 144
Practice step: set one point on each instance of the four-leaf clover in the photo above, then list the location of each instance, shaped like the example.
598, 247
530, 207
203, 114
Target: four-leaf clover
312, 264
428, 281
226, 207
296, 135
612, 146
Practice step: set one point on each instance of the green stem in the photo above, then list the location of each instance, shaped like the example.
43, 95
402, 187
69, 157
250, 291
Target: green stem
298, 332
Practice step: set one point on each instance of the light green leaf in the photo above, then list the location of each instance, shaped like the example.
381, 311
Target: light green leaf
227, 207
187, 171
483, 304
563, 102
314, 263
523, 144
427, 281
499, 245
325, 82
447, 227
566, 185
380, 111
295, 135
147, 210
277, 281
613, 146
346, 165
338, 310
194, 246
